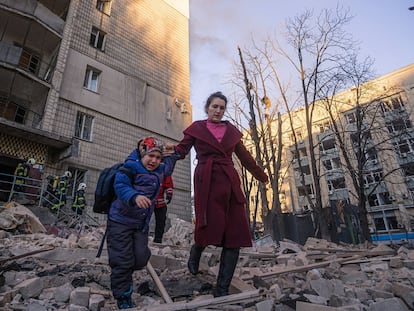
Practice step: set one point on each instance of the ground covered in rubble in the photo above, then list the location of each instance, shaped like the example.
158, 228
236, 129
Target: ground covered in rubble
54, 267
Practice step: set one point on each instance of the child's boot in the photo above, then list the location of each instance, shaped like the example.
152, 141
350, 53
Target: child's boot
125, 301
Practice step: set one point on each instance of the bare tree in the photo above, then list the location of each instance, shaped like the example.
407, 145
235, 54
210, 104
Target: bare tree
317, 46
358, 126
262, 137
323, 56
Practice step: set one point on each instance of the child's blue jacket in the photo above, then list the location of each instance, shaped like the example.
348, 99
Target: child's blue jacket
124, 209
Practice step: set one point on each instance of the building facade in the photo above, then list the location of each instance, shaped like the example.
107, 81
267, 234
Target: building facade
375, 128
82, 81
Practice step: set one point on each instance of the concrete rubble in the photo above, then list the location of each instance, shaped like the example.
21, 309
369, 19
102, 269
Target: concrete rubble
53, 267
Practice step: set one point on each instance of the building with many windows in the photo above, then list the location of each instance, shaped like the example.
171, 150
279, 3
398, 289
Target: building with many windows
363, 139
368, 133
82, 81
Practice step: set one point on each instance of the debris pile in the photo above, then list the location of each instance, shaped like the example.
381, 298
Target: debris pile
40, 271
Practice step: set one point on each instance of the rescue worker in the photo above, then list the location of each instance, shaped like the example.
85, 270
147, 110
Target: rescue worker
79, 201
60, 191
21, 173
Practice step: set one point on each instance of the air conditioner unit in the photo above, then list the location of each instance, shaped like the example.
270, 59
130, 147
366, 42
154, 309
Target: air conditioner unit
374, 161
403, 154
331, 192
371, 230
312, 196
405, 196
392, 198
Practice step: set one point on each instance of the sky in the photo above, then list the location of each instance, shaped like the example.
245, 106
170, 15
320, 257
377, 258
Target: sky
383, 27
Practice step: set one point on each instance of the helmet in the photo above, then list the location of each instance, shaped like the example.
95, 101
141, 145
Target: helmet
82, 186
68, 174
31, 161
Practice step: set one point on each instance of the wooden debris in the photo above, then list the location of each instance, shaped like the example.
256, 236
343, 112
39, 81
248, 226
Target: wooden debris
211, 302
159, 284
302, 268
2, 261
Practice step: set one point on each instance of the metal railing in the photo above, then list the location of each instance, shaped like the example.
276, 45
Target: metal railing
35, 192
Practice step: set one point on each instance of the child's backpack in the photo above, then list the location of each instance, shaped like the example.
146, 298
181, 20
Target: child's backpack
105, 192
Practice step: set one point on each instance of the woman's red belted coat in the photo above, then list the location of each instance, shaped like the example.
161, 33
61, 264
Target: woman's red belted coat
220, 205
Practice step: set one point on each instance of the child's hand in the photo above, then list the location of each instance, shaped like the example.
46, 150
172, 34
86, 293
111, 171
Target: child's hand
142, 201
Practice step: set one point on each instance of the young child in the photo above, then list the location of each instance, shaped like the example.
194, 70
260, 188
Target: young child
130, 214
163, 199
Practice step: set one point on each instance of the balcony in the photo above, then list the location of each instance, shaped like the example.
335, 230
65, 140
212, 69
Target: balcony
29, 46
51, 13
334, 174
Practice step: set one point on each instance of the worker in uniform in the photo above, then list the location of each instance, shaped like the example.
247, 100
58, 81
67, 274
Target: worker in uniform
21, 173
60, 191
79, 202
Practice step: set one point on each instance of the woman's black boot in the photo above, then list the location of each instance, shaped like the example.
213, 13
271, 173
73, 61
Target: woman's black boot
228, 262
194, 260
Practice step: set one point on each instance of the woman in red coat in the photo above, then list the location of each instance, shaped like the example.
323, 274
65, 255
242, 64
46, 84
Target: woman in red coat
220, 205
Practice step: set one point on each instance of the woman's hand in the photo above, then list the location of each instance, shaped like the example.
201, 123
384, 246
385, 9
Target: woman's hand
168, 149
142, 201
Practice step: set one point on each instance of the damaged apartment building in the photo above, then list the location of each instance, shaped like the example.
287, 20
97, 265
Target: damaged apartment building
82, 81
376, 127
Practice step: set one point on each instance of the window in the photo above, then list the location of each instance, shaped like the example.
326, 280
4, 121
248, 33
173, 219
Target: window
350, 117
371, 154
327, 144
97, 39
408, 169
391, 104
398, 125
91, 79
29, 61
389, 220
298, 134
78, 176
373, 177
327, 165
336, 184
305, 170
404, 145
303, 190
20, 115
331, 164
378, 199
83, 128
104, 6
325, 126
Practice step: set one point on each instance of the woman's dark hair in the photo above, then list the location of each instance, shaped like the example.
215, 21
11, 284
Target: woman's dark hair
212, 96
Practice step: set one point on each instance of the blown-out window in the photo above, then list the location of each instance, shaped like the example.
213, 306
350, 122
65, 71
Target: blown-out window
97, 39
84, 123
